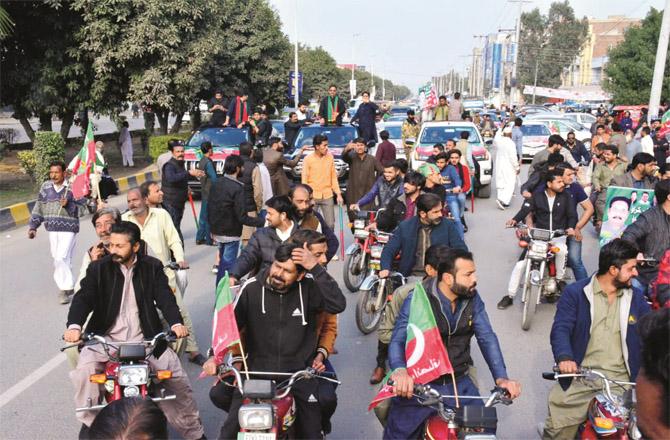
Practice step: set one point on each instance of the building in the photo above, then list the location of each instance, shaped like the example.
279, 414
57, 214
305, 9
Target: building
476, 73
497, 63
603, 34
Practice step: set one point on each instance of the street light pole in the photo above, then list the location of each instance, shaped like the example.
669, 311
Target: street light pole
353, 65
296, 97
661, 54
513, 90
537, 64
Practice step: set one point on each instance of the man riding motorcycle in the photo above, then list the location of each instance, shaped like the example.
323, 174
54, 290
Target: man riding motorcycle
460, 314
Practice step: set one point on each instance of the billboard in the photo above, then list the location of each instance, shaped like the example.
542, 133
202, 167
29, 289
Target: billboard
623, 207
496, 76
292, 84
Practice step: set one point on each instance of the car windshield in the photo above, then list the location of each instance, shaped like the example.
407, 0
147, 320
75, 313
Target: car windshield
399, 110
337, 136
279, 126
434, 135
219, 137
493, 116
535, 130
395, 131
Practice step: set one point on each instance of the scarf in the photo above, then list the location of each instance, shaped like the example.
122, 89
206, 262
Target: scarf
240, 106
411, 121
332, 106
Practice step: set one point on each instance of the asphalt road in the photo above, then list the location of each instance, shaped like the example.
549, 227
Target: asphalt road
36, 394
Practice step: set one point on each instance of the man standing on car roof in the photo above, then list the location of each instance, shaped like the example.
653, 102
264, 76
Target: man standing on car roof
332, 108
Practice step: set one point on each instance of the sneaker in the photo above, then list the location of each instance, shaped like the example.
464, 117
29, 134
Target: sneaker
215, 269
63, 296
501, 205
505, 302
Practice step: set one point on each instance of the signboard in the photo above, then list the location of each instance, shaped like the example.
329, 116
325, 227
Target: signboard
566, 94
292, 84
352, 88
623, 207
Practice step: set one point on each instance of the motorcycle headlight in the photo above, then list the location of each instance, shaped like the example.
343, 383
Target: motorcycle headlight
539, 248
255, 416
359, 224
133, 375
376, 251
361, 233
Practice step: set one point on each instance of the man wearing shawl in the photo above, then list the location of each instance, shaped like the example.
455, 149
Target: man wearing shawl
332, 108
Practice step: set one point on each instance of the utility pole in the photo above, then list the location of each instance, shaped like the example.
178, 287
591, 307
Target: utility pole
296, 97
537, 64
513, 90
661, 54
353, 67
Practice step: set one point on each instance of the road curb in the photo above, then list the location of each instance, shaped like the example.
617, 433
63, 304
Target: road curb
19, 214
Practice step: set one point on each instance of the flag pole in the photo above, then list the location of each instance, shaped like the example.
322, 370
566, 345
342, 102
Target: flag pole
244, 360
453, 380
195, 216
341, 232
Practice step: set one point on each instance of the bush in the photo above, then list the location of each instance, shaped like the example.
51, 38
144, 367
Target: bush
28, 162
48, 146
158, 144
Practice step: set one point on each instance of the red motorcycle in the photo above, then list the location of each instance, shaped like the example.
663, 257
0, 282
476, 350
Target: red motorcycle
608, 416
127, 373
268, 409
357, 259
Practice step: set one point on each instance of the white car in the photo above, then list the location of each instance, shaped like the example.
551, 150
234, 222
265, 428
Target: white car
535, 138
563, 126
439, 132
395, 137
585, 119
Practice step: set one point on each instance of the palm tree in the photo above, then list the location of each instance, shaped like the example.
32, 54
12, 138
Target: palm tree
6, 24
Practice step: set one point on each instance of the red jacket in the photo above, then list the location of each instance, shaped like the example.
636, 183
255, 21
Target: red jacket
464, 173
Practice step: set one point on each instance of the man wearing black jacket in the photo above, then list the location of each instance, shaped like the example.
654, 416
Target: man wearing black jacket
403, 206
121, 292
227, 212
551, 209
302, 197
277, 311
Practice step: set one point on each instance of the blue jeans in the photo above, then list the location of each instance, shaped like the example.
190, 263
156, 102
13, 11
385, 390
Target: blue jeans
455, 209
227, 258
203, 225
575, 259
462, 197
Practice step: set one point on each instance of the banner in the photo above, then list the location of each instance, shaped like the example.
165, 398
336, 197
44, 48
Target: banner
623, 207
292, 84
566, 94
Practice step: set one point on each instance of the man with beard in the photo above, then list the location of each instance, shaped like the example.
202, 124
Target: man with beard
452, 294
409, 130
274, 160
602, 176
363, 172
291, 128
102, 220
403, 206
303, 203
595, 326
332, 108
122, 292
277, 312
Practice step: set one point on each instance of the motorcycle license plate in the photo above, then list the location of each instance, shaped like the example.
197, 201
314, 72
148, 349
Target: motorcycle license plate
255, 436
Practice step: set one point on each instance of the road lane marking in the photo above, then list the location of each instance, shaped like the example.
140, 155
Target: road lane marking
30, 379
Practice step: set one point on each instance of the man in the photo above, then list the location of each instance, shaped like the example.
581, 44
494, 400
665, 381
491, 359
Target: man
437, 149
617, 138
451, 181
641, 175
664, 171
507, 167
206, 181
633, 145
433, 178
551, 209
291, 128
604, 172
163, 242
487, 124
152, 192
651, 232
409, 132
253, 187
103, 219
274, 160
647, 141
415, 235
239, 111
217, 107
456, 108
517, 137
600, 120
595, 326
463, 145
652, 389
122, 291
452, 294
403, 206
441, 112
386, 188
555, 144
174, 183
661, 147
258, 254
363, 172
227, 212
319, 173
385, 153
130, 417
164, 158
364, 119
579, 152
332, 108
304, 113
601, 136
303, 203
57, 209
95, 173
277, 312
464, 174
264, 129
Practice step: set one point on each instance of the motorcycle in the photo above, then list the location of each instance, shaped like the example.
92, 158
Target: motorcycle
465, 422
540, 268
358, 253
375, 293
608, 416
268, 410
127, 373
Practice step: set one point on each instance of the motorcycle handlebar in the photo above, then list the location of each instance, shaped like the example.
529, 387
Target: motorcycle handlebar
175, 266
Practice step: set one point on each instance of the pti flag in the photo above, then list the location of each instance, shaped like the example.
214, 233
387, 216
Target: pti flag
665, 124
84, 164
425, 354
224, 326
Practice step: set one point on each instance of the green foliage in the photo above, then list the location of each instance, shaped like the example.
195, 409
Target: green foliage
630, 68
551, 42
28, 162
48, 146
158, 144
6, 24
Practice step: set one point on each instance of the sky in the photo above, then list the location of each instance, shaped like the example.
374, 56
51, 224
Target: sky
409, 41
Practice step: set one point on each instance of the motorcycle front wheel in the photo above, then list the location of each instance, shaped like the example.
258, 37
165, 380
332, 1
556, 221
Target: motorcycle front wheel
368, 317
529, 306
353, 275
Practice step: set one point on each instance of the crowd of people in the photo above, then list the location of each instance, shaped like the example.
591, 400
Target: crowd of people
276, 240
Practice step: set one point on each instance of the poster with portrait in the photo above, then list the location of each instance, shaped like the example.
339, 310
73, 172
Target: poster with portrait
623, 207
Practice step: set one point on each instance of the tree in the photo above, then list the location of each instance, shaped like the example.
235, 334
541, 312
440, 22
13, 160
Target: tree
549, 44
630, 68
319, 70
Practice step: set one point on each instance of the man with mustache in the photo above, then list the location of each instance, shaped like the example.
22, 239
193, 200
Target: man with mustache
303, 201
274, 160
595, 326
102, 220
460, 314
